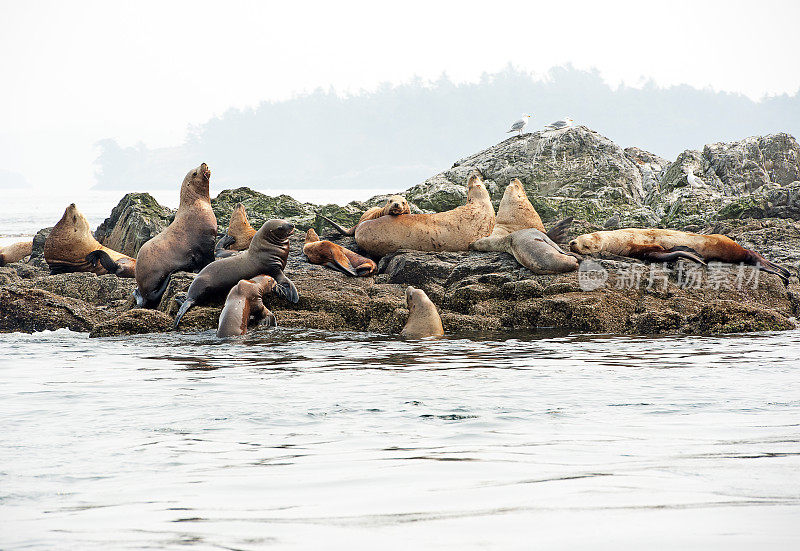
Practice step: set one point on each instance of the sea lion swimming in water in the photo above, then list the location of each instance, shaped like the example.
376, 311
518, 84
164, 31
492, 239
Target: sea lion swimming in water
267, 254
238, 236
670, 245
423, 318
336, 257
15, 252
452, 230
244, 306
186, 244
395, 205
71, 247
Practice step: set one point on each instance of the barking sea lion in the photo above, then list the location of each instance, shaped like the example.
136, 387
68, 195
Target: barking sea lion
186, 244
395, 205
452, 230
669, 245
15, 252
239, 233
423, 318
244, 306
71, 247
336, 257
266, 254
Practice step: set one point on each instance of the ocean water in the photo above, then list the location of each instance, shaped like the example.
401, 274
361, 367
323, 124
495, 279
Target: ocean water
293, 439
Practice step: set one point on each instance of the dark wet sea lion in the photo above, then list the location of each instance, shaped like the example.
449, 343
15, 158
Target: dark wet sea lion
336, 257
669, 245
71, 247
423, 318
395, 205
15, 252
266, 255
186, 244
452, 230
531, 248
239, 233
244, 306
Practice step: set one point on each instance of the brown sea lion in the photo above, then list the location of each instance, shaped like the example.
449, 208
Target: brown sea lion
395, 205
71, 247
186, 244
669, 245
452, 230
336, 257
15, 252
517, 213
245, 306
423, 318
531, 248
239, 233
266, 254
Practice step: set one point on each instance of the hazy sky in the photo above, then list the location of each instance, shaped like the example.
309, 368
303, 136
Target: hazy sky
75, 72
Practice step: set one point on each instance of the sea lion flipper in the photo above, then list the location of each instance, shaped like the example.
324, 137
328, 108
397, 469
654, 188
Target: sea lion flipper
285, 288
222, 244
105, 261
137, 295
559, 232
339, 228
672, 255
188, 303
343, 265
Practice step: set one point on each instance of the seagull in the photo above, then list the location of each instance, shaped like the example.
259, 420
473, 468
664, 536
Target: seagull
520, 125
693, 180
558, 125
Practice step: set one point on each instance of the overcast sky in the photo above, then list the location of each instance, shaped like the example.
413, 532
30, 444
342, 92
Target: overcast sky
76, 72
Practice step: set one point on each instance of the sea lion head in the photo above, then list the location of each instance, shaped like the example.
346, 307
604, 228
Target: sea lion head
397, 204
197, 181
311, 236
588, 243
274, 231
74, 218
516, 189
238, 218
476, 190
414, 298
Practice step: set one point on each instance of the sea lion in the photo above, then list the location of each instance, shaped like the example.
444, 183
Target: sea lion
532, 248
245, 306
423, 318
186, 244
239, 233
15, 252
395, 205
452, 230
669, 245
266, 254
71, 247
336, 257
517, 213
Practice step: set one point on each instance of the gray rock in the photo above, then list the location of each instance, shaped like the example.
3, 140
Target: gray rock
136, 219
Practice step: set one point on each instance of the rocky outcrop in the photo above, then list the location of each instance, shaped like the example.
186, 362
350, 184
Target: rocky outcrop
748, 190
136, 219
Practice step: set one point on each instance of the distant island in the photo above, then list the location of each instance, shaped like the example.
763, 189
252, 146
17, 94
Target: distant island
397, 136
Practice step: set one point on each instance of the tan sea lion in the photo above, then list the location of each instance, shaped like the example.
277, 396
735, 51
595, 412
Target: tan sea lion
71, 247
245, 306
669, 245
517, 213
336, 257
239, 233
186, 244
266, 255
395, 205
531, 248
452, 230
15, 252
423, 318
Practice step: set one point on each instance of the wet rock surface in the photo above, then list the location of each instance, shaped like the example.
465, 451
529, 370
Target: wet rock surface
748, 190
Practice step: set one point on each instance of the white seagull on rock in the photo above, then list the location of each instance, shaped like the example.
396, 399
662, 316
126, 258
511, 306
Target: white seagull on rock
693, 180
520, 125
566, 122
